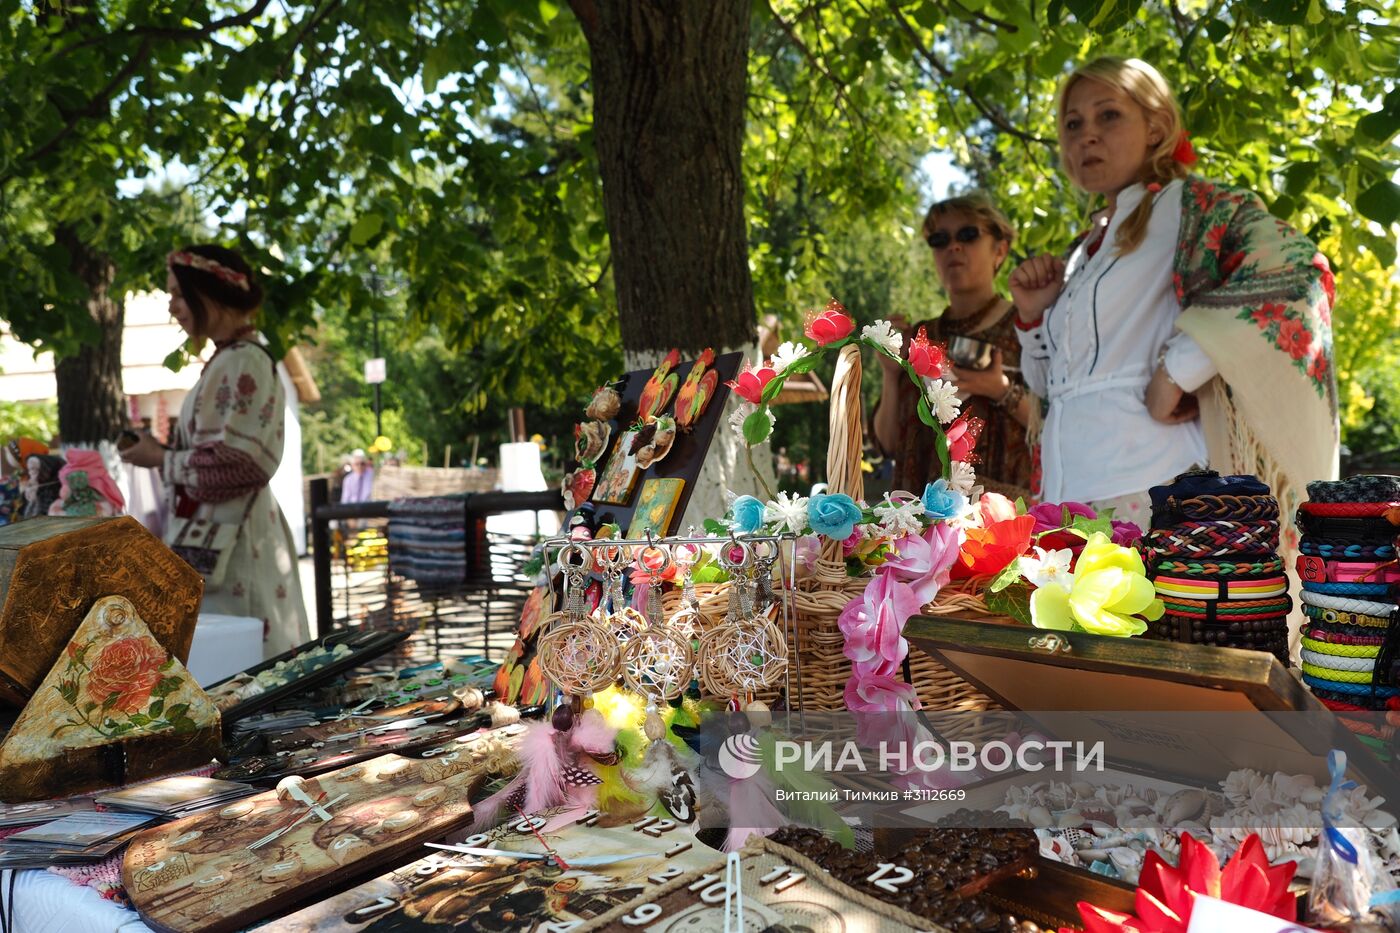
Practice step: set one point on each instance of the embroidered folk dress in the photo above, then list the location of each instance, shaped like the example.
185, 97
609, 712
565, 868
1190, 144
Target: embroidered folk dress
1093, 354
226, 447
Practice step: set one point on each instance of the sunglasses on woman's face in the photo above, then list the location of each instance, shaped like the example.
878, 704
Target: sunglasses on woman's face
939, 239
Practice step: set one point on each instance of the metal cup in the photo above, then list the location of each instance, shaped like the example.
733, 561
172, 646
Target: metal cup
970, 353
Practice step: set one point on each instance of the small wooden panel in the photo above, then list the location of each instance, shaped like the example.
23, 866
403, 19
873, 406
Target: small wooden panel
115, 707
52, 571
198, 874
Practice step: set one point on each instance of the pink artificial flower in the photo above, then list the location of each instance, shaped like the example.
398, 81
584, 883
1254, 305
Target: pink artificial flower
927, 358
831, 325
873, 625
1050, 517
849, 546
962, 437
1126, 534
924, 561
749, 384
994, 507
878, 693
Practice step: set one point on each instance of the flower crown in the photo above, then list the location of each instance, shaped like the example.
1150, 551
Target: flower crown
212, 266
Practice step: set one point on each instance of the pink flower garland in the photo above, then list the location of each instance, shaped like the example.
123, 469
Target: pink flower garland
873, 623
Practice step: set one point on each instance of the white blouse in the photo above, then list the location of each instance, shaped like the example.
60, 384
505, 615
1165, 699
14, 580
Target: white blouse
1093, 354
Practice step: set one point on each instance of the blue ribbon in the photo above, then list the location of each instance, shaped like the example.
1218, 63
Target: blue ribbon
1332, 806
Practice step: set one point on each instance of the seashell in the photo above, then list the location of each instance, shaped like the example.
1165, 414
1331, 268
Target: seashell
1128, 862
1311, 796
1183, 805
1069, 819
1082, 789
1040, 817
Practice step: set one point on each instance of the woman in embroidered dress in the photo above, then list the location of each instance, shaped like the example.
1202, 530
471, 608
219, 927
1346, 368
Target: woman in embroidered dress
225, 449
970, 239
1188, 327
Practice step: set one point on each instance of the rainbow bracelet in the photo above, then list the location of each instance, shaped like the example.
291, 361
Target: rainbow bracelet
1220, 588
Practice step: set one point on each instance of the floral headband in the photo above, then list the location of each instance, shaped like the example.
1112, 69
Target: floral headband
212, 266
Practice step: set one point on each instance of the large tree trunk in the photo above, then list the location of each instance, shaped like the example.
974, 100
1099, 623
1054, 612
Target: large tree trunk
91, 404
668, 80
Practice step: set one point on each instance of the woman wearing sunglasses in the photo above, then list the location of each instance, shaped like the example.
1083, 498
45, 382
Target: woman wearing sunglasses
970, 239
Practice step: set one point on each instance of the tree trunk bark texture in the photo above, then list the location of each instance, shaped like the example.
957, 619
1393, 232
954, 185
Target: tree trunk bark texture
668, 105
91, 403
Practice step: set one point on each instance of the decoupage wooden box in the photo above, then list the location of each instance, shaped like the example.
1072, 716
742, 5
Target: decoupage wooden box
52, 570
1162, 732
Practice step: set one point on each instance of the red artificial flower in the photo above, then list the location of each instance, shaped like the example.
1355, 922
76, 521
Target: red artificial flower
1293, 336
749, 384
1267, 314
927, 358
962, 437
831, 325
1166, 895
1184, 152
1215, 237
1329, 284
988, 550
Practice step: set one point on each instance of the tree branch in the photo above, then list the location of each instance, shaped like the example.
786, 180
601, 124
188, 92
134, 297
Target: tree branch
812, 60
993, 115
95, 106
169, 32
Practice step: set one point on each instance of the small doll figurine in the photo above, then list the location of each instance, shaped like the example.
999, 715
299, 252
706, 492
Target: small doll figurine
41, 483
86, 488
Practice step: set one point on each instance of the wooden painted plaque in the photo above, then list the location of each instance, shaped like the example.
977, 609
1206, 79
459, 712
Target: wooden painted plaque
225, 869
52, 570
447, 890
115, 707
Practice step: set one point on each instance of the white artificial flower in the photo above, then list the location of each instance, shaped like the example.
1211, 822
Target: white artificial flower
884, 336
962, 477
788, 354
789, 509
1048, 568
943, 399
898, 519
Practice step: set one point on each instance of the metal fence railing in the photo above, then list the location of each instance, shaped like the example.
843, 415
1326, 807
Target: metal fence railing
357, 585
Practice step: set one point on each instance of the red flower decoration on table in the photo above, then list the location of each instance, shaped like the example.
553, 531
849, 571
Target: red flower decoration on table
990, 548
1293, 336
927, 358
128, 667
748, 385
962, 437
1166, 895
831, 325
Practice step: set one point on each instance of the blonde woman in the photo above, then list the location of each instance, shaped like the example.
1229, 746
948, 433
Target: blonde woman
1187, 327
970, 239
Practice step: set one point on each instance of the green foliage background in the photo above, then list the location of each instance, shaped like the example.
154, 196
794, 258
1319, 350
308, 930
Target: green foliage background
333, 137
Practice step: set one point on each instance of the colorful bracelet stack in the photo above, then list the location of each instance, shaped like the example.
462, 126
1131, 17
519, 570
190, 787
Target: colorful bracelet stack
1212, 552
1350, 580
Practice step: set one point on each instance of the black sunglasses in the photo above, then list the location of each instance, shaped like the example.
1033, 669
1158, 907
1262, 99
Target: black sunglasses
939, 239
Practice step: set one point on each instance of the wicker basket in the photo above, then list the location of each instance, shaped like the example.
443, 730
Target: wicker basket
820, 668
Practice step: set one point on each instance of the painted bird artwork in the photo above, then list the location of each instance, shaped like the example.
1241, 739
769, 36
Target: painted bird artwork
659, 388
697, 390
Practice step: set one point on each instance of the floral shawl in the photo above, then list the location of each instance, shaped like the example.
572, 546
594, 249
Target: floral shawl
1257, 296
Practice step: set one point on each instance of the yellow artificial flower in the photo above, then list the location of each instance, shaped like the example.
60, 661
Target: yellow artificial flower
1106, 593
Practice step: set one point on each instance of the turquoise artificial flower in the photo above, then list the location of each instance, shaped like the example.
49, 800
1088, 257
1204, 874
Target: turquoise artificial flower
748, 514
834, 516
942, 502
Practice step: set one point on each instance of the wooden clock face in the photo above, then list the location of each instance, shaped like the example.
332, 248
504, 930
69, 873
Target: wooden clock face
448, 890
229, 867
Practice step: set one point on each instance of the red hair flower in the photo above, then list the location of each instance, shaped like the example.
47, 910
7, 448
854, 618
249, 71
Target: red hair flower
927, 357
1184, 152
831, 325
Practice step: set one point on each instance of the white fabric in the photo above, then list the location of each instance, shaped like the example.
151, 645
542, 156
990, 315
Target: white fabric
520, 472
287, 482
49, 903
1093, 355
224, 645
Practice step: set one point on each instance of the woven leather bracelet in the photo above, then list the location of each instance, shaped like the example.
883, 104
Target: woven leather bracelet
1213, 539
1341, 650
1365, 487
1240, 569
1339, 662
1217, 508
1215, 610
1337, 676
1355, 590
1328, 636
1347, 687
1342, 550
1341, 617
1366, 607
1348, 509
1375, 531
1220, 588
